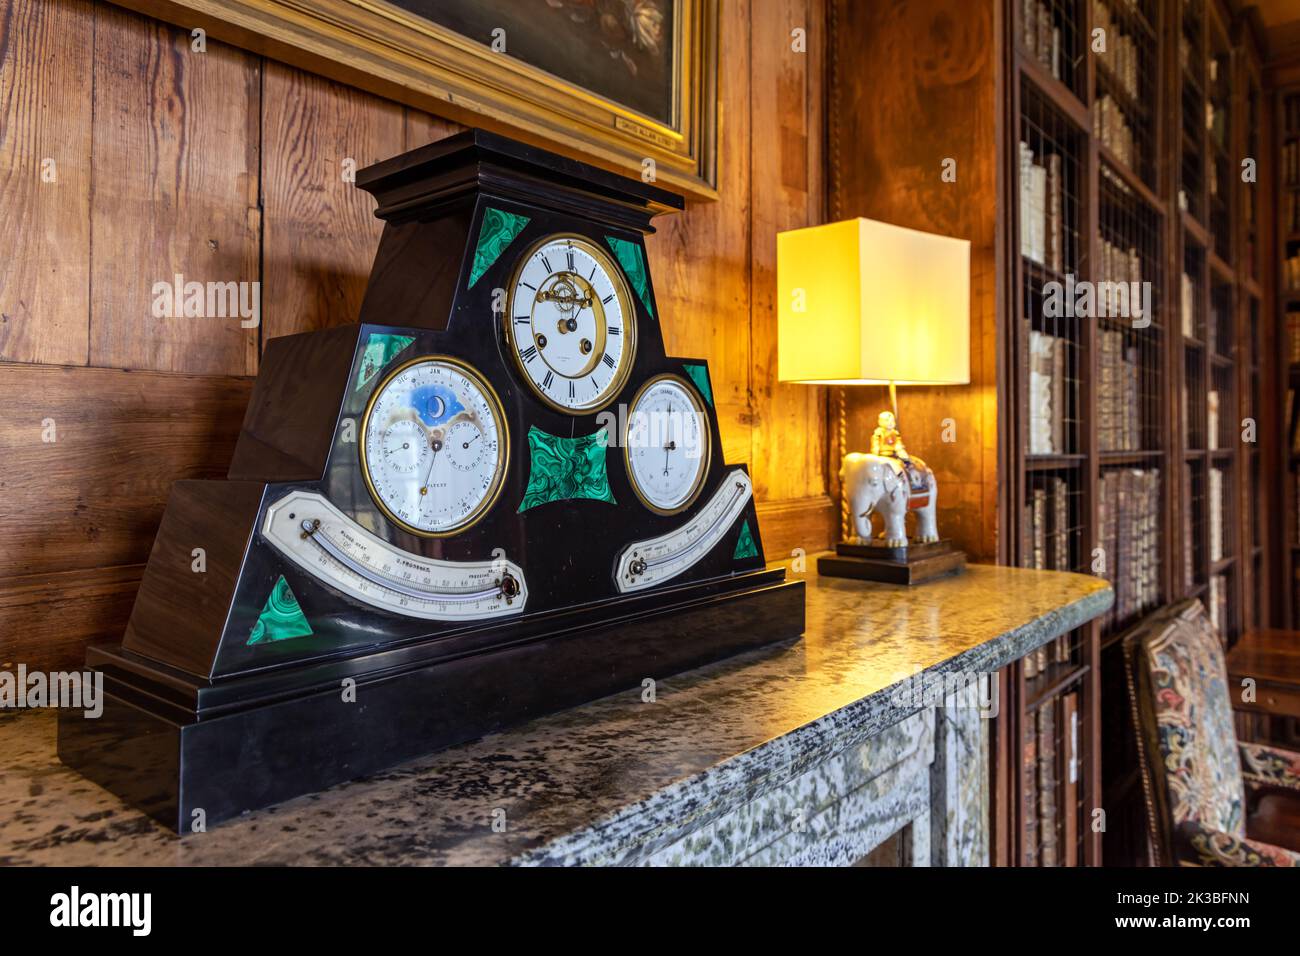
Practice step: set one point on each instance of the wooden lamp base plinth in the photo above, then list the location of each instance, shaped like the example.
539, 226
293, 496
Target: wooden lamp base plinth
914, 564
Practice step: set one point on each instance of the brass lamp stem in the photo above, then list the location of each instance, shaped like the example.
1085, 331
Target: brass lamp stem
893, 401
844, 450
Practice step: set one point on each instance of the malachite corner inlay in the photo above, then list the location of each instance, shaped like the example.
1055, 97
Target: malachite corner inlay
699, 374
564, 468
281, 617
745, 546
632, 260
498, 229
380, 349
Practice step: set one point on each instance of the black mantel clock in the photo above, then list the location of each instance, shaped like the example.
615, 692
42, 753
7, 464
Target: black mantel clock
493, 497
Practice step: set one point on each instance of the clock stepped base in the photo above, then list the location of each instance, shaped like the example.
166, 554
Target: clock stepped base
292, 733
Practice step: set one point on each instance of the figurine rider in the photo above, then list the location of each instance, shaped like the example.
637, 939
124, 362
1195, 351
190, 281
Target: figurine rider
888, 443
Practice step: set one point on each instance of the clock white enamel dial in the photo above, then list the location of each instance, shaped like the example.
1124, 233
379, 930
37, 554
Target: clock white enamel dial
434, 446
666, 445
570, 324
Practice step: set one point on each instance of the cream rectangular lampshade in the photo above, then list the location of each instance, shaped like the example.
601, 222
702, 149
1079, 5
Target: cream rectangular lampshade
863, 302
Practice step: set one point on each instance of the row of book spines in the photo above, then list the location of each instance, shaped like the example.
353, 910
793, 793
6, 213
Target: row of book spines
1042, 237
1128, 516
1050, 783
1119, 421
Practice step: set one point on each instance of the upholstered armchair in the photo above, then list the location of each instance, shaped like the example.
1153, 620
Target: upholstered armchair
1196, 776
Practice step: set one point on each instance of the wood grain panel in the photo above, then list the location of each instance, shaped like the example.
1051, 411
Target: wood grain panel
700, 258
789, 450
46, 620
420, 129
320, 231
893, 65
93, 496
45, 110
175, 192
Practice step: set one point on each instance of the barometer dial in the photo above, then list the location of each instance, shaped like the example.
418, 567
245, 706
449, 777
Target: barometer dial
434, 446
570, 325
666, 444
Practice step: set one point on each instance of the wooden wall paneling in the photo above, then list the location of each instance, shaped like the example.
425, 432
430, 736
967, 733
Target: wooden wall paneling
50, 618
175, 161
320, 232
92, 497
45, 134
895, 64
420, 128
701, 257
790, 434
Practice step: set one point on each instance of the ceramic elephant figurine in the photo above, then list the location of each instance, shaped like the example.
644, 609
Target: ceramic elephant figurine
873, 483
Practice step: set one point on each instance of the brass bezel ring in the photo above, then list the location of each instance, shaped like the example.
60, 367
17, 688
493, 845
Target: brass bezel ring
698, 401
615, 272
503, 453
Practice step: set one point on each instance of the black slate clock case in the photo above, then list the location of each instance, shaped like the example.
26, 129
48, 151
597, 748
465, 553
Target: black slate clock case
198, 719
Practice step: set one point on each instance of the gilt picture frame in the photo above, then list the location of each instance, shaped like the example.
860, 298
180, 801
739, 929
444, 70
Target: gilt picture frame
631, 85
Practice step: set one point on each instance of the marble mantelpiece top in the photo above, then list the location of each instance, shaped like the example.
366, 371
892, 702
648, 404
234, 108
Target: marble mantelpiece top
601, 783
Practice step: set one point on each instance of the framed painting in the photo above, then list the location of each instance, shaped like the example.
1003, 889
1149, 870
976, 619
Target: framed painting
627, 84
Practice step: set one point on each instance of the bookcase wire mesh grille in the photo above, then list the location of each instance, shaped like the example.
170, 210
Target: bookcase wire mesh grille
1053, 812
1190, 45
1128, 277
1223, 169
1193, 281
1125, 97
1049, 184
1194, 538
1050, 35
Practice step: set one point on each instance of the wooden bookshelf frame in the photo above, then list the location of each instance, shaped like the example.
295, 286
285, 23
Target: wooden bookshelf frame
1229, 355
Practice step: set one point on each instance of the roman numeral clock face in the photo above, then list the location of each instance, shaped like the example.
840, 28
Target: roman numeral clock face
570, 325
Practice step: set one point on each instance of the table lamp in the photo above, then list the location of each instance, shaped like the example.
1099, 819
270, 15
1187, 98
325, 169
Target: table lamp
862, 302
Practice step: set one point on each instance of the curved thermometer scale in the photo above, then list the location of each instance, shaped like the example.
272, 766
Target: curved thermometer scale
644, 564
313, 534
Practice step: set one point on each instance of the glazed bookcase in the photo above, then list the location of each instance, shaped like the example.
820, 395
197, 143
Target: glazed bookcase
1141, 473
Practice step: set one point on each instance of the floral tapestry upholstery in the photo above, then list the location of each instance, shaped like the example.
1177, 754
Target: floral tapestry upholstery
1270, 766
1194, 727
1197, 844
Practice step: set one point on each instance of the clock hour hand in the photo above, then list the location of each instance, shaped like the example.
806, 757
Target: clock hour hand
436, 445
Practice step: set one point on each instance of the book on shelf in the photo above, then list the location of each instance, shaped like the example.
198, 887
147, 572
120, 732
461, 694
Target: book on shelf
1047, 382
1188, 306
1212, 419
1293, 335
1046, 533
1041, 36
1036, 208
1047, 783
1128, 510
1119, 423
1111, 127
1029, 795
1219, 605
1070, 779
1217, 485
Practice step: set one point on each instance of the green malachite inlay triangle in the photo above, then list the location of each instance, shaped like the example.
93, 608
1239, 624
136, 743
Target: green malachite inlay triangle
379, 351
498, 230
745, 546
632, 260
699, 374
281, 618
564, 468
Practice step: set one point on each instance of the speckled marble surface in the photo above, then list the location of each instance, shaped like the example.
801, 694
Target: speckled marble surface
614, 781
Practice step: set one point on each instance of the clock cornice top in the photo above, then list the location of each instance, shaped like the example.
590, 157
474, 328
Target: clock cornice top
420, 182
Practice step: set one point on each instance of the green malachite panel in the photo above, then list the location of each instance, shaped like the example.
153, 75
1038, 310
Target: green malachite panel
699, 374
379, 351
564, 468
632, 260
745, 546
498, 230
281, 617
